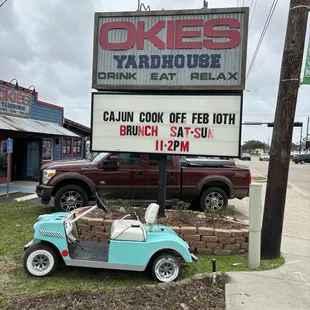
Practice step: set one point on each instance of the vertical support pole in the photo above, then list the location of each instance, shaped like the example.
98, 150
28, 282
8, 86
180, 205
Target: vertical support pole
307, 135
8, 174
300, 140
161, 198
255, 225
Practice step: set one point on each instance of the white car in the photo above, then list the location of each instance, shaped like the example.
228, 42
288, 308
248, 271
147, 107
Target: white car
264, 157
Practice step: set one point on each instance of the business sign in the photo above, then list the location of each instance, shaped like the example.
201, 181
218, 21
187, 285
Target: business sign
14, 102
189, 50
9, 145
207, 125
306, 79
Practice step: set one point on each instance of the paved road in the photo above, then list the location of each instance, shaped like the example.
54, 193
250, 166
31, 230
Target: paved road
299, 175
297, 209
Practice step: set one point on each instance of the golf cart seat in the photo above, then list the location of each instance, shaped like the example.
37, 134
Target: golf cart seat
133, 230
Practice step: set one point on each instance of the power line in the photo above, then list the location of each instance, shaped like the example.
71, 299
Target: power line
3, 3
253, 12
273, 6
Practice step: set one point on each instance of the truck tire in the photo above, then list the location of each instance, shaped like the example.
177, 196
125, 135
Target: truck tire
70, 197
213, 199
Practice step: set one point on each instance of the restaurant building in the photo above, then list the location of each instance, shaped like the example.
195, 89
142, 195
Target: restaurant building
38, 132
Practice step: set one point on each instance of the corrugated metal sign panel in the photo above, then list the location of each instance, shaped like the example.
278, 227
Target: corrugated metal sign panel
123, 61
34, 126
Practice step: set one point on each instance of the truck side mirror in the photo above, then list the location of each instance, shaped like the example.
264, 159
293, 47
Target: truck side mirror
111, 164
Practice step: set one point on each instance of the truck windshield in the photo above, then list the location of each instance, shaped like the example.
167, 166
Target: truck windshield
99, 157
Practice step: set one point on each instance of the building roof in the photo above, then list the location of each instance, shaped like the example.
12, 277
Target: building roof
30, 125
69, 123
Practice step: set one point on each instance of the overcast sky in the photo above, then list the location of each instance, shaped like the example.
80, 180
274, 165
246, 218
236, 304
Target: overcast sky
48, 44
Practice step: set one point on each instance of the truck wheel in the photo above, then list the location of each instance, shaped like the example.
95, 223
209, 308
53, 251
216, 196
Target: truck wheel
165, 268
40, 260
213, 199
70, 197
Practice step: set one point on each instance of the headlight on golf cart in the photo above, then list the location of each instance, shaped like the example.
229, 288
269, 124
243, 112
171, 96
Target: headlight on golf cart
47, 175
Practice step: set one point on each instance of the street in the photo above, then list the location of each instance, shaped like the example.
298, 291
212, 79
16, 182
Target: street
297, 209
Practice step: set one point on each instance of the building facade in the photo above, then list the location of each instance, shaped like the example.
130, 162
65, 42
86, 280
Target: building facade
38, 133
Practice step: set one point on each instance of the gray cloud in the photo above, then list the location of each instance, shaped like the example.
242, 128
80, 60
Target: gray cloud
49, 44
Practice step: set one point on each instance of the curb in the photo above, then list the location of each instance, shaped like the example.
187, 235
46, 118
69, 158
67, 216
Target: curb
10, 193
25, 198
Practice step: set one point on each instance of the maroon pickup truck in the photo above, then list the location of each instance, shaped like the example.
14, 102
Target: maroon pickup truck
134, 176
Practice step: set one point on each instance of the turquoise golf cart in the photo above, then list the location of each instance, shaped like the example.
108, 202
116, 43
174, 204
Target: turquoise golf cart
132, 245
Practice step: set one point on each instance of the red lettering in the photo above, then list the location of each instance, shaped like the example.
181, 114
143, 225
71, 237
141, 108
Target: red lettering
210, 133
180, 34
170, 35
122, 130
19, 99
174, 34
187, 129
154, 131
2, 94
26, 100
150, 35
197, 133
12, 96
233, 35
104, 36
173, 131
140, 131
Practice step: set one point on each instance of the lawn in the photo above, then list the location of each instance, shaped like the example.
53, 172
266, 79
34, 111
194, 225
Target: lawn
16, 221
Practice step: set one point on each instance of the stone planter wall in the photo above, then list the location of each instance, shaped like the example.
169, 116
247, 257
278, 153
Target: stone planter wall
202, 240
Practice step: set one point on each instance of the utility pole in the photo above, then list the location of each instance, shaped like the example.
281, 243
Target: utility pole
307, 134
283, 128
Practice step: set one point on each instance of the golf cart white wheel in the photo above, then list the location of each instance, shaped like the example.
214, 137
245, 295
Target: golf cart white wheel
166, 268
40, 263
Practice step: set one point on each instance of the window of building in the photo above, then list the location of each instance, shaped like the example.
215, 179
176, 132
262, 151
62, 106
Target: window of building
66, 145
47, 149
77, 146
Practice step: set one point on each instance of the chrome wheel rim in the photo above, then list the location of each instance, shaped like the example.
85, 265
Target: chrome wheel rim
71, 200
166, 269
214, 201
40, 262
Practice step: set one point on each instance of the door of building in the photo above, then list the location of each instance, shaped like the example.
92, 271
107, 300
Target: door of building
33, 160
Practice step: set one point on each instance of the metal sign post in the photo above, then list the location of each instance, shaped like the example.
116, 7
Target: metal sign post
162, 184
9, 151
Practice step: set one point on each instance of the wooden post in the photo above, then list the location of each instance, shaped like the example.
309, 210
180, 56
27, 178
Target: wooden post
283, 128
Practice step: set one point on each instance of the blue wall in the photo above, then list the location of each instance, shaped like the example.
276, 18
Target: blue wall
45, 113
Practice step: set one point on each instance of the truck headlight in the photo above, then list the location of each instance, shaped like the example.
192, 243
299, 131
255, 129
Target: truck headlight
47, 175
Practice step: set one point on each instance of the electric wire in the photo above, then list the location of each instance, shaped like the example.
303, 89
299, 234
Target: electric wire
3, 3
271, 11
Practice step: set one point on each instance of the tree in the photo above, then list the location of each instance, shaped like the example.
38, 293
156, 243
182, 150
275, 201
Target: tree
295, 146
252, 145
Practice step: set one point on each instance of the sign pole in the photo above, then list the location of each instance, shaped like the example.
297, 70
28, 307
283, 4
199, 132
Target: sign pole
162, 182
8, 174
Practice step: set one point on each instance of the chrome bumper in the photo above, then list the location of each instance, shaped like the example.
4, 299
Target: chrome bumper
194, 258
28, 245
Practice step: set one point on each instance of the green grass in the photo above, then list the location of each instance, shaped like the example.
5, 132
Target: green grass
16, 221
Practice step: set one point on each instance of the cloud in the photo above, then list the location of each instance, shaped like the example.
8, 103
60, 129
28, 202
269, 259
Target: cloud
49, 44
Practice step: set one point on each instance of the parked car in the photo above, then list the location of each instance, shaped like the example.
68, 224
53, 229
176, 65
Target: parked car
301, 158
245, 156
134, 176
264, 157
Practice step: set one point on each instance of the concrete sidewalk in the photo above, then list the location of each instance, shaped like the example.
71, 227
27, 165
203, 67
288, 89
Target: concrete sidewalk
287, 287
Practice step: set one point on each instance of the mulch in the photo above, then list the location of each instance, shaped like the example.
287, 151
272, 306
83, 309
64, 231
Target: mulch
200, 294
172, 218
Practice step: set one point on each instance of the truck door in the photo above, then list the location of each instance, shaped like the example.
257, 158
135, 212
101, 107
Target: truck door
126, 183
152, 175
